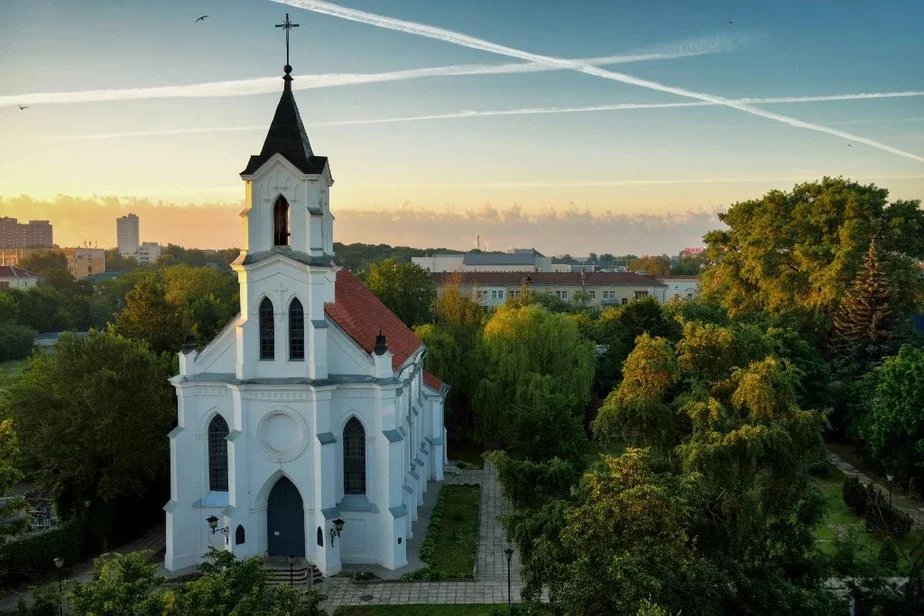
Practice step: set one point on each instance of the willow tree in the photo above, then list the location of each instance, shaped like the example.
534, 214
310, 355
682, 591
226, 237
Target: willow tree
713, 499
537, 374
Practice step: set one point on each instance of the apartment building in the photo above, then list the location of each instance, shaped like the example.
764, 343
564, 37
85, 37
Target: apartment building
34, 234
517, 260
599, 288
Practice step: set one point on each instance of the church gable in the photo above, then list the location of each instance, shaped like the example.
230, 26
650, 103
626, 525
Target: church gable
362, 315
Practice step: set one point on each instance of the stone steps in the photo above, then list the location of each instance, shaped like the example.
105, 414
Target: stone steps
301, 574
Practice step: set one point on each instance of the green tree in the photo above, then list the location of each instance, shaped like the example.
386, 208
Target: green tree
718, 503
652, 265
150, 317
796, 253
533, 361
893, 427
16, 341
110, 395
121, 585
865, 325
9, 475
43, 262
406, 289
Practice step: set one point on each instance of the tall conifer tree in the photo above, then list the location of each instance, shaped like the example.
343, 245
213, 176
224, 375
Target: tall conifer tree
865, 324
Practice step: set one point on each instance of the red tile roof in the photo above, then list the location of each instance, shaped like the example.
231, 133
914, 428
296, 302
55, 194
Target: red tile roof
556, 278
432, 381
11, 271
362, 315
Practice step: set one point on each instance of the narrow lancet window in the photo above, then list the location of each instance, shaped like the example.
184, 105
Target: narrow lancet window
296, 330
267, 330
218, 454
281, 222
354, 458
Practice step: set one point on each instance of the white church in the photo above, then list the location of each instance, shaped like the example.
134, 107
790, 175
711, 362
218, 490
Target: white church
308, 427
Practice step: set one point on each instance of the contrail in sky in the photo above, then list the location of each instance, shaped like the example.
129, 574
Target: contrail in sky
472, 42
265, 85
500, 112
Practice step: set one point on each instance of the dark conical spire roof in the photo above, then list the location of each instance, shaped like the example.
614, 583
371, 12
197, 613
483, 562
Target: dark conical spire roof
287, 136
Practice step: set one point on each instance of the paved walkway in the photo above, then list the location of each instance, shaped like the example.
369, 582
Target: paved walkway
490, 583
912, 507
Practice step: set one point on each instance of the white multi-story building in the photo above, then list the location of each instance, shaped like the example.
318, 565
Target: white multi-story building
517, 260
127, 235
311, 410
678, 287
149, 252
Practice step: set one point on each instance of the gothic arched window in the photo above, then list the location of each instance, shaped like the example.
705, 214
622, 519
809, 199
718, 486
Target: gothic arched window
218, 454
320, 537
239, 535
267, 331
296, 330
354, 458
281, 222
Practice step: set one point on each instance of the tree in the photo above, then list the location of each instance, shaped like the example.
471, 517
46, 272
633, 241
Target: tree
406, 289
716, 501
148, 316
652, 265
43, 262
531, 359
796, 253
9, 475
16, 341
865, 324
892, 429
110, 395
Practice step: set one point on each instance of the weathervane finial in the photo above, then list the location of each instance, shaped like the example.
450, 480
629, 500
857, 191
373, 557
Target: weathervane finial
287, 25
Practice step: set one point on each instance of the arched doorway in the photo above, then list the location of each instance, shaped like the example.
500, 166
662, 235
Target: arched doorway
285, 520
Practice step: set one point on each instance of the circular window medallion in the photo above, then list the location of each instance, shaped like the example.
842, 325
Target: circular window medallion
281, 434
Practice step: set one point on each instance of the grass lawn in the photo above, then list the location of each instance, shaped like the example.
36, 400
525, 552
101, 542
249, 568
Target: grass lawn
416, 610
840, 518
466, 452
453, 533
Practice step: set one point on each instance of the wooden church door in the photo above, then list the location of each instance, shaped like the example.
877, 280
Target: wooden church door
285, 520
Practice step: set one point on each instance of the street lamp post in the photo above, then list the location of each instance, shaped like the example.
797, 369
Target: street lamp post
59, 564
336, 530
291, 563
890, 477
508, 552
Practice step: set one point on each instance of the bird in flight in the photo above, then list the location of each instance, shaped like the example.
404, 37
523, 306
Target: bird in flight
201, 19
21, 108
849, 146
731, 22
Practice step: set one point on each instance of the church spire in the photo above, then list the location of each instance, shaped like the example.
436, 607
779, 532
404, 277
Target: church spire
286, 135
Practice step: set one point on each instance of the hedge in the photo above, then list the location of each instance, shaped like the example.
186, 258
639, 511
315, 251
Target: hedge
27, 558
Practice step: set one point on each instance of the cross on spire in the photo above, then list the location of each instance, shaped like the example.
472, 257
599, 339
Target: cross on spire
287, 25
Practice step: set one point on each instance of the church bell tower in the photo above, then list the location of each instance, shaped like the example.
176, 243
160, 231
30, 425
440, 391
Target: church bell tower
287, 249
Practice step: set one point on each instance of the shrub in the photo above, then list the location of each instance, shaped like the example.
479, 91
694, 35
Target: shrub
425, 574
16, 340
29, 557
870, 504
889, 522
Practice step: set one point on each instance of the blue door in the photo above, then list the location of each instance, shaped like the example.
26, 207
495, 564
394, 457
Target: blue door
285, 520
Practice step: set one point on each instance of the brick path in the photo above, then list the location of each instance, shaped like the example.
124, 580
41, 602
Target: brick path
911, 507
489, 585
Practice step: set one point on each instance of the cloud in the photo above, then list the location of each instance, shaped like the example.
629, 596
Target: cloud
264, 85
472, 42
502, 112
550, 229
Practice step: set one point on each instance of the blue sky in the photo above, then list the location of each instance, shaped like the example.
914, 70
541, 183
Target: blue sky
586, 161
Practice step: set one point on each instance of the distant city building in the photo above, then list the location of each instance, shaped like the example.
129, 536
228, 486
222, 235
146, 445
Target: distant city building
84, 262
12, 277
517, 260
598, 288
149, 252
679, 287
34, 234
127, 235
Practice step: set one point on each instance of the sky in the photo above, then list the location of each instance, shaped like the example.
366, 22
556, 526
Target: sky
134, 106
